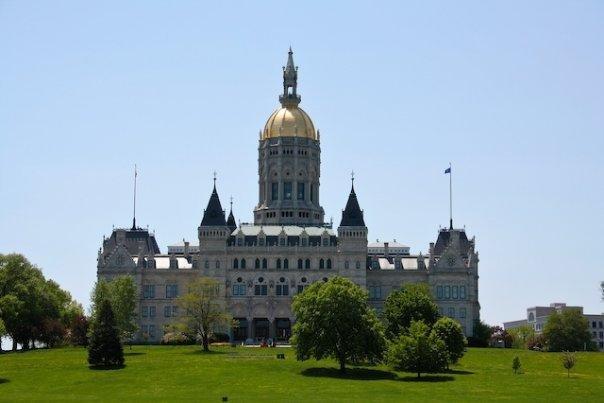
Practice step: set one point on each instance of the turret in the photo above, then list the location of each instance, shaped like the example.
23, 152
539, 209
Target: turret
213, 230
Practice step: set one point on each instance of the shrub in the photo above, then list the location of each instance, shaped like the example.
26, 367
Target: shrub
516, 364
176, 339
568, 361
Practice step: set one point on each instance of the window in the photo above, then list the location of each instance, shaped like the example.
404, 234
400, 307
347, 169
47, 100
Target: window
301, 288
347, 264
454, 293
451, 313
278, 263
287, 190
462, 312
239, 241
447, 292
151, 331
218, 264
329, 263
261, 241
375, 292
152, 311
243, 263
282, 241
300, 188
358, 265
439, 291
206, 264
285, 263
593, 324
260, 289
300, 264
149, 291
167, 311
239, 289
145, 312
236, 264
282, 290
174, 311
307, 264
257, 264
325, 241
264, 263
321, 264
275, 191
462, 292
171, 290
304, 241
312, 193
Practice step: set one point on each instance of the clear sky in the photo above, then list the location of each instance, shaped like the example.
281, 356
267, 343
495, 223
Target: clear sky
512, 93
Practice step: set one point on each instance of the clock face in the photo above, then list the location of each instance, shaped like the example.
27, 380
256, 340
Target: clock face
451, 260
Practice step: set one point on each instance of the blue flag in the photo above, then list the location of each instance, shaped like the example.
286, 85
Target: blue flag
448, 170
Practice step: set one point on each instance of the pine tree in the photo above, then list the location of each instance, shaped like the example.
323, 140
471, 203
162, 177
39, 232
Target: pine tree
104, 348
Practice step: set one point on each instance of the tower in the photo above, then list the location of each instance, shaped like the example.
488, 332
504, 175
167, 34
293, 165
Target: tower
213, 230
289, 160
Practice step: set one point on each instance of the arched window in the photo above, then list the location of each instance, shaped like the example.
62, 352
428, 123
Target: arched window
264, 263
285, 263
278, 263
243, 263
321, 264
257, 264
358, 264
307, 264
218, 264
206, 264
300, 264
329, 263
347, 264
236, 264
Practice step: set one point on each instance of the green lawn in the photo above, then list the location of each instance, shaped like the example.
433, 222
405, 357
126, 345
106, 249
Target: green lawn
254, 374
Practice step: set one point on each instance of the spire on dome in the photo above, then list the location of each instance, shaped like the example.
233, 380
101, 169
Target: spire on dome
231, 220
213, 215
352, 216
290, 97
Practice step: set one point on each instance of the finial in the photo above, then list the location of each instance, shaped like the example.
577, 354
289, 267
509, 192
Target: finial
215, 174
231, 203
352, 177
290, 49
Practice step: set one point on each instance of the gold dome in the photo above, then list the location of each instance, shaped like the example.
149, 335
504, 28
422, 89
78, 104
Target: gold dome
289, 121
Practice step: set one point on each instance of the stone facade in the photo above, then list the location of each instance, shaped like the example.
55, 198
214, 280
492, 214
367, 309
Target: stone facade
262, 266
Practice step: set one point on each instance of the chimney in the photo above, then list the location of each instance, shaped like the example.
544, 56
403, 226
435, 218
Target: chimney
431, 249
386, 250
186, 248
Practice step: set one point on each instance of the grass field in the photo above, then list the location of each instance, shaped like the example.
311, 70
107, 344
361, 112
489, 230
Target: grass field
158, 373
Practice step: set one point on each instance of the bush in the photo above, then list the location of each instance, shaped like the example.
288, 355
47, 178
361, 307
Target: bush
418, 351
568, 362
516, 364
176, 339
105, 349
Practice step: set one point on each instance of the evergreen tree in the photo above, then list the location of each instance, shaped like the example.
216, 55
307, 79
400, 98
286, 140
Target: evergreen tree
104, 348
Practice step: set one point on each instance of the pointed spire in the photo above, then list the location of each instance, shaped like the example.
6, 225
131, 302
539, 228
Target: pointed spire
134, 213
213, 215
231, 220
352, 216
290, 97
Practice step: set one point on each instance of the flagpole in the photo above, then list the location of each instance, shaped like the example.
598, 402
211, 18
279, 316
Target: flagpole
134, 214
450, 197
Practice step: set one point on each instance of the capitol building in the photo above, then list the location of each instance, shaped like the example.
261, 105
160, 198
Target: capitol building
261, 266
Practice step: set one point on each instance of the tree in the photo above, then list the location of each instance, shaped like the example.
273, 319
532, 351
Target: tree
78, 331
203, 310
450, 332
418, 350
333, 320
521, 336
516, 364
500, 335
105, 348
121, 293
413, 302
568, 361
567, 331
482, 334
2, 332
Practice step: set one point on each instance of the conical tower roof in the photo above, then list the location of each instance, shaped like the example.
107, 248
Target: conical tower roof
213, 215
231, 220
352, 216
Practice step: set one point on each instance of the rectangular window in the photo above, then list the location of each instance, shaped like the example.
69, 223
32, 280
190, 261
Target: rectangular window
171, 290
462, 312
145, 329
287, 190
274, 191
462, 292
239, 289
282, 290
149, 291
300, 188
167, 311
152, 311
145, 312
174, 311
454, 291
312, 193
439, 291
447, 292
151, 331
451, 313
260, 289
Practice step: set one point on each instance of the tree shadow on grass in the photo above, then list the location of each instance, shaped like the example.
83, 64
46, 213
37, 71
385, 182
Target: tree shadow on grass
351, 373
133, 353
427, 378
4, 380
106, 368
211, 352
459, 372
